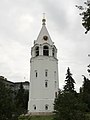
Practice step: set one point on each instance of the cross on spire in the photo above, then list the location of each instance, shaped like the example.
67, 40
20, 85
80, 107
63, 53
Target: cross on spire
43, 20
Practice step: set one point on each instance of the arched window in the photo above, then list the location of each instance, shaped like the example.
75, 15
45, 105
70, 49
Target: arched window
37, 51
46, 83
46, 107
36, 74
53, 52
46, 51
34, 107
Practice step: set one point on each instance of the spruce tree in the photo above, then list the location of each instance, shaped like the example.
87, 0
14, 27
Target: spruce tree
21, 100
86, 92
69, 105
69, 87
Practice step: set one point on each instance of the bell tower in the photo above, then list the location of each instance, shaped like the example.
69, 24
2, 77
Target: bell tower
44, 83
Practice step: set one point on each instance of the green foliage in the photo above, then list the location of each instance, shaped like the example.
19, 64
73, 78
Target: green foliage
6, 102
12, 104
69, 87
88, 115
21, 100
85, 16
68, 106
86, 19
86, 92
86, 85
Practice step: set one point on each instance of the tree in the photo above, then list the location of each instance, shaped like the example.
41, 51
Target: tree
69, 82
12, 103
21, 100
6, 102
68, 106
85, 16
86, 85
86, 92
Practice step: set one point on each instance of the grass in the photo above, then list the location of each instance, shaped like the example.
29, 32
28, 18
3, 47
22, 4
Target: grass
42, 118
36, 117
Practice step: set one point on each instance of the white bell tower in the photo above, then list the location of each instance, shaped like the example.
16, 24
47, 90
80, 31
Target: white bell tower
44, 83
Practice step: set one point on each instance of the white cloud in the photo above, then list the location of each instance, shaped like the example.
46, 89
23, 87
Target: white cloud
20, 23
24, 23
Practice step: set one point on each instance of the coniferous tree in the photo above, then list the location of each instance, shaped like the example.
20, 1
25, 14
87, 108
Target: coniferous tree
69, 105
21, 100
86, 85
86, 92
69, 87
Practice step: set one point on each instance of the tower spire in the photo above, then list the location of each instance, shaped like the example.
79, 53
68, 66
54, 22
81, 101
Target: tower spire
43, 20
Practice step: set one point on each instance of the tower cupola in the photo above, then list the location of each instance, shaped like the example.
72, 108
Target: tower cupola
43, 45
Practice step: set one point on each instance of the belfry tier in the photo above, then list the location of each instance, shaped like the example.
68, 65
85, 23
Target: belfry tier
44, 46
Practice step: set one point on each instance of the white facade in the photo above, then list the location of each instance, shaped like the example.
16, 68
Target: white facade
44, 83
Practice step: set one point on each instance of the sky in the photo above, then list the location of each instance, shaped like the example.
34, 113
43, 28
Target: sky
20, 24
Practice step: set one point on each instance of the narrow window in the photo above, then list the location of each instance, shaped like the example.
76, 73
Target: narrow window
46, 73
37, 51
46, 51
46, 83
36, 73
53, 52
46, 107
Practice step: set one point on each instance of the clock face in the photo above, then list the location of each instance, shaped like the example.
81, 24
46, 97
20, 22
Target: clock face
45, 38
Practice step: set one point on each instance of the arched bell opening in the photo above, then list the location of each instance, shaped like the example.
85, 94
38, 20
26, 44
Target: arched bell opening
45, 50
37, 51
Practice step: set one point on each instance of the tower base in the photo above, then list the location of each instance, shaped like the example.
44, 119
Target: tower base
40, 113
